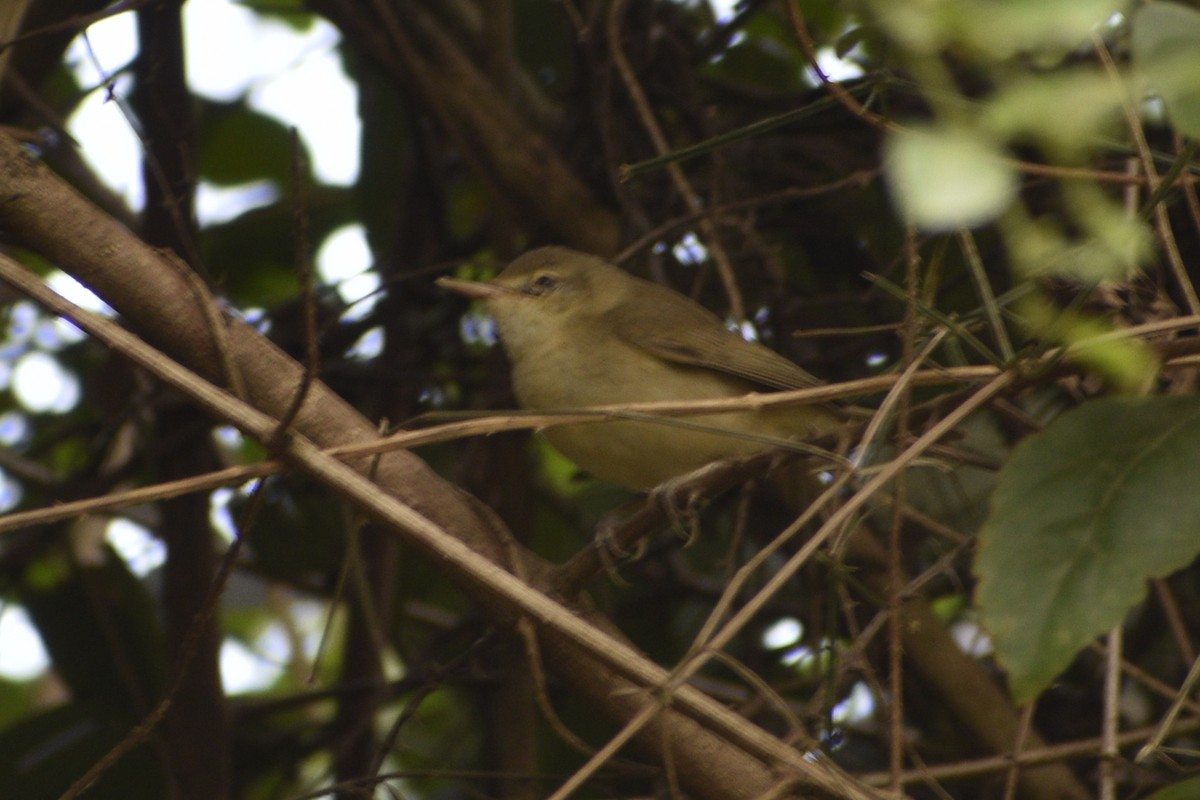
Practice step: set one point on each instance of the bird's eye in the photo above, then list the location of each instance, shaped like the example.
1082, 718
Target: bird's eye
542, 284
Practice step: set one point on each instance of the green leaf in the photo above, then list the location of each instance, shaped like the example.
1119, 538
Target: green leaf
1083, 514
1166, 50
1129, 365
1184, 790
1004, 28
1067, 112
99, 626
292, 13
240, 146
947, 178
44, 753
997, 29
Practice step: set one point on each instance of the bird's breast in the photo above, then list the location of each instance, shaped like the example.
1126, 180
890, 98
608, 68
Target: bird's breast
641, 454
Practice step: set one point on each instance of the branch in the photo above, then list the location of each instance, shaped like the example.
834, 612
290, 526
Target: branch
509, 153
723, 754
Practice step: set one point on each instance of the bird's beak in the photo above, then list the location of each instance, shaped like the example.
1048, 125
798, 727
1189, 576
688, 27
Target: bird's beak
476, 290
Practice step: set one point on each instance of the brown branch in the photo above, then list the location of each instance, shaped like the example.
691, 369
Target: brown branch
1082, 748
162, 104
507, 152
720, 754
1162, 223
800, 31
659, 139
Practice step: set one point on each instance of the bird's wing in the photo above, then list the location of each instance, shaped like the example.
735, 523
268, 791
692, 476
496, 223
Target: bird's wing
708, 343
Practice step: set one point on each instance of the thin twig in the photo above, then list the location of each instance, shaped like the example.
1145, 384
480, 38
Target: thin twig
304, 271
800, 30
674, 682
1170, 608
895, 599
692, 200
1013, 776
859, 179
1167, 725
1109, 751
1162, 221
454, 553
1083, 748
991, 308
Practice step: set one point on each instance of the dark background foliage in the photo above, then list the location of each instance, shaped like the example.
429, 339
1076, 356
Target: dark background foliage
492, 126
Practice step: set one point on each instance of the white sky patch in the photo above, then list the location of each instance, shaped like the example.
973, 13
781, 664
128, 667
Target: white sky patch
142, 552
310, 617
783, 633
690, 250
368, 346
801, 658
22, 317
10, 495
113, 42
834, 66
971, 639
284, 72
343, 260
228, 437
77, 293
218, 513
43, 386
23, 656
330, 128
244, 670
856, 708
257, 666
344, 254
99, 124
723, 10
14, 427
63, 332
218, 204
478, 327
109, 145
746, 329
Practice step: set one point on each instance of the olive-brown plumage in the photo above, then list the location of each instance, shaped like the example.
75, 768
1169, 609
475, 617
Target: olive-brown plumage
581, 332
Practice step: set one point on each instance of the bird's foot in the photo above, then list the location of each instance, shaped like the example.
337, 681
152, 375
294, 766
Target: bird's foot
609, 546
679, 497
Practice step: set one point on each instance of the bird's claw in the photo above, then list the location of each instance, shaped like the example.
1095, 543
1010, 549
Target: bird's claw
678, 498
611, 552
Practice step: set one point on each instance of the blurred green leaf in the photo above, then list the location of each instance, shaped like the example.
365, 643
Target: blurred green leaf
761, 63
1184, 790
945, 178
1040, 247
998, 29
298, 532
43, 754
851, 39
1126, 363
1119, 242
1166, 50
253, 257
239, 145
1083, 515
99, 627
293, 13
1004, 28
1066, 112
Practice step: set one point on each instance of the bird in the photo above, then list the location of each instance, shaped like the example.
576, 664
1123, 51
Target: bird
580, 331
